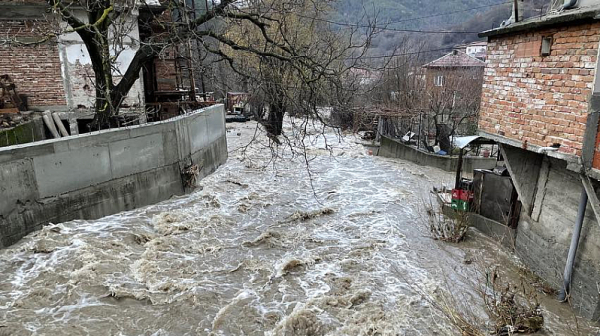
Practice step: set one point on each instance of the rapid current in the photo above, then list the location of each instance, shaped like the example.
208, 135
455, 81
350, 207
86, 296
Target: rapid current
334, 243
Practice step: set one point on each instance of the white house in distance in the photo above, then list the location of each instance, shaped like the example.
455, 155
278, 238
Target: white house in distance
476, 49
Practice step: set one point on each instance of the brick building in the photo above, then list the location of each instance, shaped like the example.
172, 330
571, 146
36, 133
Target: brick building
541, 101
453, 69
35, 69
452, 95
57, 75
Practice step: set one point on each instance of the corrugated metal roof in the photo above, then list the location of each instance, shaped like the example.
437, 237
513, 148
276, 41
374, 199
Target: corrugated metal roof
553, 18
149, 2
478, 43
456, 58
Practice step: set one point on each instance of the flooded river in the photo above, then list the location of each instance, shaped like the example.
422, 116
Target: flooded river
259, 249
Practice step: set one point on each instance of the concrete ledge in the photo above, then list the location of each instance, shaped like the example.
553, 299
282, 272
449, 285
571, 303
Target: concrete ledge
573, 16
98, 174
395, 149
573, 161
489, 227
495, 230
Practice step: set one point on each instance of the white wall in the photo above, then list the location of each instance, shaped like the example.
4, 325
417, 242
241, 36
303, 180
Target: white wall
76, 65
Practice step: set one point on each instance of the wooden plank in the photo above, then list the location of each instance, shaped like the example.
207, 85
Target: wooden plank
524, 168
541, 189
593, 198
9, 110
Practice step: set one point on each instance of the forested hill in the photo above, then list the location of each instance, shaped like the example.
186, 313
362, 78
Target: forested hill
406, 11
453, 15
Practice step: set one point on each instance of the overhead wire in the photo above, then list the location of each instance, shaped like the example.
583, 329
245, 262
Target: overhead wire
356, 25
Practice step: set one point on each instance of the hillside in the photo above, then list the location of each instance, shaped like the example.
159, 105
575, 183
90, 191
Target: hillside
404, 10
431, 15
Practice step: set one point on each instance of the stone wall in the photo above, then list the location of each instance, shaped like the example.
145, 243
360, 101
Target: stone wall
540, 100
102, 173
395, 149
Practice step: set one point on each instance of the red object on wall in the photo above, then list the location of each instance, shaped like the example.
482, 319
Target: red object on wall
456, 194
466, 195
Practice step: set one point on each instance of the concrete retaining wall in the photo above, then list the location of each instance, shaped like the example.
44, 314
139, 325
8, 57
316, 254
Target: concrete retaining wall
543, 244
545, 228
97, 174
22, 134
395, 149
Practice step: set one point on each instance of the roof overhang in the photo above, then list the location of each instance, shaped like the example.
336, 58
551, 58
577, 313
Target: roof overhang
570, 16
463, 142
453, 66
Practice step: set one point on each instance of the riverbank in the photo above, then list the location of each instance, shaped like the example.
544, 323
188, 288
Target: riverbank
265, 246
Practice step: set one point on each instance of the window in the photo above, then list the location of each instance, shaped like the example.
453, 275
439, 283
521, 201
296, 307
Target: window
546, 46
438, 81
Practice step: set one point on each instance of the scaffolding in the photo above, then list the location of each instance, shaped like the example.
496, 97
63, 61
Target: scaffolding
183, 95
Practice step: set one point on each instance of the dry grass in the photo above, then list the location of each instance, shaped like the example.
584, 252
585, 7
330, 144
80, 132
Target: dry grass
510, 309
449, 229
514, 309
462, 319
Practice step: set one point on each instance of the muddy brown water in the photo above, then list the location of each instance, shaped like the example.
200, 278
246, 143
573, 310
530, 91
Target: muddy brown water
259, 251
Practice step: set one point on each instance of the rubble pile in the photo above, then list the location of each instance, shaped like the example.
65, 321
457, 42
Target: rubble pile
10, 120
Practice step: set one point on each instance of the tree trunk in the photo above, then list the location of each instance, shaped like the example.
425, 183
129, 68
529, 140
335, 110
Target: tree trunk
275, 119
98, 47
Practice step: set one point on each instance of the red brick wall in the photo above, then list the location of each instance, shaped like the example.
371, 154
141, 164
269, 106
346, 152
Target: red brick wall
458, 79
35, 70
43, 2
540, 100
166, 76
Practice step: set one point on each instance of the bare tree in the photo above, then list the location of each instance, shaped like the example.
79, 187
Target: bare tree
453, 102
105, 28
306, 63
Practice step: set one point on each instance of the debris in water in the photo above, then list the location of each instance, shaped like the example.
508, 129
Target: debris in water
243, 185
363, 214
290, 265
142, 238
301, 322
304, 216
243, 208
46, 246
359, 298
212, 201
190, 175
270, 237
168, 224
119, 294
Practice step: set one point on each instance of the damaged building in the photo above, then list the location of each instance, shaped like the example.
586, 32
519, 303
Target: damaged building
56, 75
541, 102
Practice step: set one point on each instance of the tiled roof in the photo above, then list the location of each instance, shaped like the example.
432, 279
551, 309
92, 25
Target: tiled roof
456, 58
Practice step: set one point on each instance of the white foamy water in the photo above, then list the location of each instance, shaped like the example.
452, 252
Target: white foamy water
259, 249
